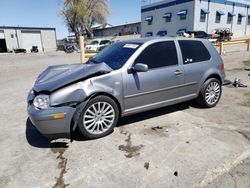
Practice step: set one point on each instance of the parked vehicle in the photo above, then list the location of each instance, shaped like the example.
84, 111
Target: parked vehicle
97, 45
70, 48
202, 35
34, 49
20, 50
223, 34
126, 78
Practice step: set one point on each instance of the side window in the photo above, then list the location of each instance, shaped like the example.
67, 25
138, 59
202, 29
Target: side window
104, 42
159, 54
193, 51
202, 16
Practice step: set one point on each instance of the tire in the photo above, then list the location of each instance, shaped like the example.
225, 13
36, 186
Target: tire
210, 93
98, 118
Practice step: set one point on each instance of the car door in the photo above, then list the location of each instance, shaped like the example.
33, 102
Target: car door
196, 61
160, 84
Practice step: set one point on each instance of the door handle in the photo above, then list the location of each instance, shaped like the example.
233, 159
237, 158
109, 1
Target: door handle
177, 72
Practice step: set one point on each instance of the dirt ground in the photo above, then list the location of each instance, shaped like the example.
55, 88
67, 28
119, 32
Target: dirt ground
177, 146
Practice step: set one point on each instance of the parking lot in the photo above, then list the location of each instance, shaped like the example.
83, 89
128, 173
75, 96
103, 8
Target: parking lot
177, 146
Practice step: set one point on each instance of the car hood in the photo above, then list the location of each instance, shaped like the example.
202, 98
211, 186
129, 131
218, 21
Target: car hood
55, 77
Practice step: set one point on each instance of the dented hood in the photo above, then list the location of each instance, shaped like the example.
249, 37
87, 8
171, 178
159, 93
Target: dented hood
55, 77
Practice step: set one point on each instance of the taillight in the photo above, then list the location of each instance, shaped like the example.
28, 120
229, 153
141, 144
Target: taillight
222, 68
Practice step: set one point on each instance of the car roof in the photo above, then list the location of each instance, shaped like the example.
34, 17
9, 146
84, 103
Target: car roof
158, 39
99, 40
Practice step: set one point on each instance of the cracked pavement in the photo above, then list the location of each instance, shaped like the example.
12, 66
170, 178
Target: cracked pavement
177, 146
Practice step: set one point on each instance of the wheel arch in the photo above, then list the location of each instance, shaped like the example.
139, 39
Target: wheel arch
107, 95
214, 76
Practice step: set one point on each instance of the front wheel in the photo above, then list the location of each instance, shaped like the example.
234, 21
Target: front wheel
210, 93
98, 118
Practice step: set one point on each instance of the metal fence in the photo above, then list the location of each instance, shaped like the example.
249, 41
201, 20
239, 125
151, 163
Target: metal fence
221, 45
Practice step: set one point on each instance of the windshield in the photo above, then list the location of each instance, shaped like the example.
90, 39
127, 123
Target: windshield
104, 42
116, 55
94, 42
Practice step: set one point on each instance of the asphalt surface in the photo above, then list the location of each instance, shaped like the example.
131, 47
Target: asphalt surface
177, 146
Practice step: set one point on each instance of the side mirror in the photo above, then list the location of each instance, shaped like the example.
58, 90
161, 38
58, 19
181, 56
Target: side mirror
139, 67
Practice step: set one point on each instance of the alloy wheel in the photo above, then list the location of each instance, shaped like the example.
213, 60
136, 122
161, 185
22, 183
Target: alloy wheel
212, 93
99, 117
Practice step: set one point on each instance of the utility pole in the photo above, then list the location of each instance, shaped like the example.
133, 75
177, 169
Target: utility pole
82, 50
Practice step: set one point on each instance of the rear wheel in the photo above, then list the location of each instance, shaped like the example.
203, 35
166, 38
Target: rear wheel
210, 93
98, 118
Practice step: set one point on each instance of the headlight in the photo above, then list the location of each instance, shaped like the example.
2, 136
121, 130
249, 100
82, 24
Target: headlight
41, 101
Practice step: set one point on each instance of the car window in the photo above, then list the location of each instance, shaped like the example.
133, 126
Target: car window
160, 54
193, 51
104, 42
94, 42
116, 55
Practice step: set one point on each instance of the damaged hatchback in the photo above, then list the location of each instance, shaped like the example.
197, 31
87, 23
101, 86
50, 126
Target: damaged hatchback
126, 78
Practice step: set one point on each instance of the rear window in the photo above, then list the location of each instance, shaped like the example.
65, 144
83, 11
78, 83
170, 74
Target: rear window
193, 51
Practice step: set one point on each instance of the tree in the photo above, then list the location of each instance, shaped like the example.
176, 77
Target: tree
80, 15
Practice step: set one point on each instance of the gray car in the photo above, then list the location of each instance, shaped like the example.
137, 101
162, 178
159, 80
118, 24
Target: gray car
126, 78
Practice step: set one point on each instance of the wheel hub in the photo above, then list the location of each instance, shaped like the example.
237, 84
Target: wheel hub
99, 117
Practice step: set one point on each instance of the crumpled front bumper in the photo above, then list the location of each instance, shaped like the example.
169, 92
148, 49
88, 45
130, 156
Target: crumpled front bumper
44, 120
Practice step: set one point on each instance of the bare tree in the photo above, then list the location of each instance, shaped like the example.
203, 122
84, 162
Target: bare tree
80, 15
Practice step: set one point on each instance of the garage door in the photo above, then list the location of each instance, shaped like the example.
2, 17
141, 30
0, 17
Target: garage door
31, 38
1, 35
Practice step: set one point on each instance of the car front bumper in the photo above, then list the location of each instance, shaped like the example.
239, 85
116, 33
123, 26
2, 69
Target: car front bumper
44, 120
91, 51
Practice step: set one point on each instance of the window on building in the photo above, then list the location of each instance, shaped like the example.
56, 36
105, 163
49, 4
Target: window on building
182, 14
162, 33
183, 17
229, 18
240, 16
239, 19
248, 20
167, 17
218, 16
203, 14
149, 34
181, 32
12, 36
149, 19
155, 55
193, 51
203, 17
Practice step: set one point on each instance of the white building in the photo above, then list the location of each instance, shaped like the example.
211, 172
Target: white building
118, 30
26, 37
172, 16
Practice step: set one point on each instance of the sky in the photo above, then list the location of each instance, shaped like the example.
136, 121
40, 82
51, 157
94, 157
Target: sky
46, 13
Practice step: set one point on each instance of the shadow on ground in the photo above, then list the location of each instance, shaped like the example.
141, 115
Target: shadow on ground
155, 113
36, 139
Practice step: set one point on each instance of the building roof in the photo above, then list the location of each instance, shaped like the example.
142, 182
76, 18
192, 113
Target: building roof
168, 3
27, 28
118, 26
